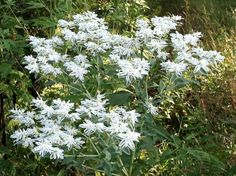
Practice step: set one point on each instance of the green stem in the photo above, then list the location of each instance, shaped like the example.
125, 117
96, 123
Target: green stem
87, 92
23, 26
123, 167
99, 75
95, 148
82, 156
132, 161
146, 87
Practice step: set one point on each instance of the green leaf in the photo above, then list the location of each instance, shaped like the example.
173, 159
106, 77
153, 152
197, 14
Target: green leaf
62, 172
5, 70
206, 157
179, 83
35, 5
232, 171
119, 98
8, 44
176, 140
107, 155
161, 86
166, 155
4, 150
107, 168
44, 22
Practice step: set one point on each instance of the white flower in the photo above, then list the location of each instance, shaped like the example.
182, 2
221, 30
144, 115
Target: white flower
178, 42
56, 57
78, 68
65, 24
151, 109
141, 65
68, 140
21, 135
89, 21
58, 104
24, 118
183, 56
156, 45
48, 111
28, 142
192, 39
122, 51
177, 68
79, 142
134, 69
142, 23
69, 35
50, 128
201, 64
49, 69
114, 57
38, 103
62, 108
32, 64
94, 47
42, 148
57, 153
117, 127
100, 127
144, 34
18, 135
93, 106
131, 117
211, 56
70, 130
183, 42
35, 42
54, 138
73, 116
163, 25
57, 41
128, 139
89, 127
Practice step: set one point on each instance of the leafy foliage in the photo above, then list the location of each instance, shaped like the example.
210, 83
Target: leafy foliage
194, 133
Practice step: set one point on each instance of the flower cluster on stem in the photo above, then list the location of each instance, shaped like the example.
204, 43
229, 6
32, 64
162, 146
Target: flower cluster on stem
55, 126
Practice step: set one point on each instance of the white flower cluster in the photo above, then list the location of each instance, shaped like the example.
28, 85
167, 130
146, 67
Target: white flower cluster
48, 129
185, 53
118, 122
90, 33
50, 61
190, 55
47, 56
78, 67
82, 42
51, 129
135, 68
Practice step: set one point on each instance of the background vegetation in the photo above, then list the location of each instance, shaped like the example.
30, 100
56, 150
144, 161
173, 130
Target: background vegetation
195, 132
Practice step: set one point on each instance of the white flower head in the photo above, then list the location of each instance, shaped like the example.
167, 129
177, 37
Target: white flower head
131, 70
93, 106
163, 25
78, 68
89, 127
177, 68
128, 139
152, 109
